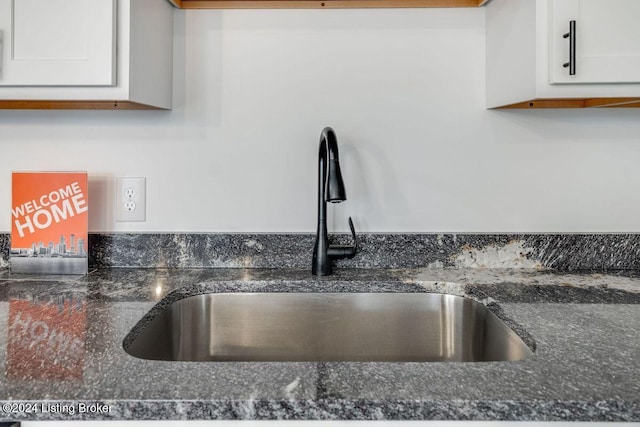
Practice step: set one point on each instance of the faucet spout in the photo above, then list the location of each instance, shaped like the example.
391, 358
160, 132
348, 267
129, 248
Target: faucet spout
330, 189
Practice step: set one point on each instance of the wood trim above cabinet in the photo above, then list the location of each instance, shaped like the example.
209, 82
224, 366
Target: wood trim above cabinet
11, 104
575, 103
320, 4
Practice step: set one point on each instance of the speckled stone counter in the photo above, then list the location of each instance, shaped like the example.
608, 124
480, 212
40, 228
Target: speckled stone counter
62, 356
561, 252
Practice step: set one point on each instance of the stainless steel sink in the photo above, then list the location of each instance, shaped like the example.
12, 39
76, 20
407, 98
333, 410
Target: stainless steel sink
394, 327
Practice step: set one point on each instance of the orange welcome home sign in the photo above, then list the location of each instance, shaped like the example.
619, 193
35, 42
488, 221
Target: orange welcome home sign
49, 222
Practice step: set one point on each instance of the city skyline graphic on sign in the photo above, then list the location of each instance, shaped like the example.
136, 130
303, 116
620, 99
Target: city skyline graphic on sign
75, 249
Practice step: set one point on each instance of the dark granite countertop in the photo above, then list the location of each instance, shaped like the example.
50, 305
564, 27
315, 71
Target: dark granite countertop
62, 355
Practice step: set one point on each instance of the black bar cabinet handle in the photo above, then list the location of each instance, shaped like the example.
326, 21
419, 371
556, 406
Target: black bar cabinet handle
572, 48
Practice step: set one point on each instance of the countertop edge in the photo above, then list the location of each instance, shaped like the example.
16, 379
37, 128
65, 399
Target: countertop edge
321, 409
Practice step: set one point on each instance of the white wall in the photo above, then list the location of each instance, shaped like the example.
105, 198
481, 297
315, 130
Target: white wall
404, 90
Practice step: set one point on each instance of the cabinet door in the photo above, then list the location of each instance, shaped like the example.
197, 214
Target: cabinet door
607, 41
57, 42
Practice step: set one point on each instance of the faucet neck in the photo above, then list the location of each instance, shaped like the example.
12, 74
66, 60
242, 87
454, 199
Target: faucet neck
328, 149
328, 152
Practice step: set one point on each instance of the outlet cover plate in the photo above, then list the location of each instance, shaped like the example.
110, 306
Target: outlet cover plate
130, 190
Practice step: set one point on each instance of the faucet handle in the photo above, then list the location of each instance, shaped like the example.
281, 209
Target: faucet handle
355, 239
344, 251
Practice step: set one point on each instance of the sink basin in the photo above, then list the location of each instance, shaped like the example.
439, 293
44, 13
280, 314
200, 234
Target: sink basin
393, 327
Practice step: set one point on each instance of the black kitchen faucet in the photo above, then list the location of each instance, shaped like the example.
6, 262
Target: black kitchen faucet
330, 189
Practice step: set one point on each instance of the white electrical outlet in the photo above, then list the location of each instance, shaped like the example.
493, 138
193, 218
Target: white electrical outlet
129, 193
131, 199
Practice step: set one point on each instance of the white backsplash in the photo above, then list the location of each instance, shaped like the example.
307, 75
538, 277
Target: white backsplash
404, 90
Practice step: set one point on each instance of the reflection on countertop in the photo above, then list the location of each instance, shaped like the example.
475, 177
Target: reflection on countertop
61, 342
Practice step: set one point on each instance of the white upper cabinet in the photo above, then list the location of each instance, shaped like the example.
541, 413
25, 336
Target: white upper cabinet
86, 54
530, 62
606, 36
57, 42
